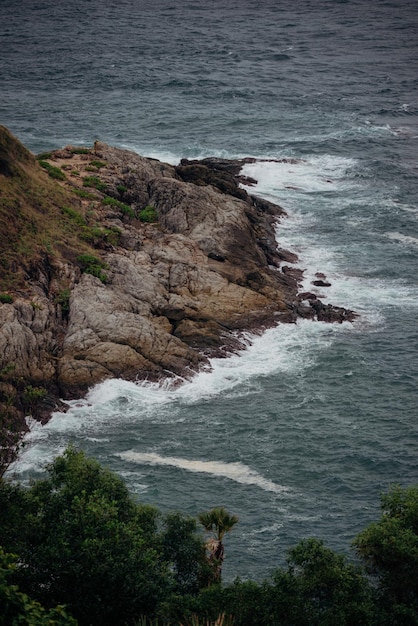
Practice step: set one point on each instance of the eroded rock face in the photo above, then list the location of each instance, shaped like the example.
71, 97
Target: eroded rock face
176, 292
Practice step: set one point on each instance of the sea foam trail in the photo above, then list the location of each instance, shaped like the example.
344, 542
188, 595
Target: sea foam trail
237, 472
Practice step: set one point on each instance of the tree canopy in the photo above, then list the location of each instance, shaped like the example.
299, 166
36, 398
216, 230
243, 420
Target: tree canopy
78, 548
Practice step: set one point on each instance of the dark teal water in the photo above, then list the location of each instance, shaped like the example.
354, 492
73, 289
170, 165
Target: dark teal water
300, 434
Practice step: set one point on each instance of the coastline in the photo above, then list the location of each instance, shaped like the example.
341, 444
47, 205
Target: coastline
145, 270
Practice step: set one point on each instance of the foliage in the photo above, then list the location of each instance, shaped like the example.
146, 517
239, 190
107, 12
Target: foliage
74, 216
121, 189
100, 237
7, 370
6, 298
63, 299
82, 193
321, 588
43, 155
33, 395
218, 522
149, 214
17, 608
10, 431
80, 150
91, 264
84, 542
98, 164
185, 550
93, 181
389, 548
125, 208
53, 172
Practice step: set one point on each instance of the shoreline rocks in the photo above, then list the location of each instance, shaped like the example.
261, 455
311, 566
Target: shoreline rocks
164, 295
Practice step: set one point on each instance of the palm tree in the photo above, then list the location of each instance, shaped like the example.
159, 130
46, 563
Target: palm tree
218, 522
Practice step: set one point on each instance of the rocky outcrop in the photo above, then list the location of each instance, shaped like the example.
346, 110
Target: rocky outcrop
162, 296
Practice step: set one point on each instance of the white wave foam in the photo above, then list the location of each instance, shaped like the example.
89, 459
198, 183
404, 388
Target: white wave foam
313, 174
406, 239
237, 472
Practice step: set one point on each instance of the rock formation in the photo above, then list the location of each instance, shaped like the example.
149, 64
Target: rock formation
134, 269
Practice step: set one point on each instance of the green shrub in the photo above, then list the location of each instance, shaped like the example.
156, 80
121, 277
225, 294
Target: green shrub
149, 214
33, 395
97, 235
44, 155
98, 164
82, 193
74, 216
63, 299
6, 370
80, 151
125, 208
93, 181
121, 189
91, 264
6, 298
53, 172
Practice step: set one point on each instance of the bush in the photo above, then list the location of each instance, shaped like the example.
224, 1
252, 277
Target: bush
63, 299
33, 395
92, 265
98, 164
6, 298
149, 214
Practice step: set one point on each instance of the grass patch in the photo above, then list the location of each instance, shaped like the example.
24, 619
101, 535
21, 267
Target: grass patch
39, 218
74, 216
121, 189
53, 172
43, 155
93, 181
80, 150
125, 208
98, 236
83, 193
98, 164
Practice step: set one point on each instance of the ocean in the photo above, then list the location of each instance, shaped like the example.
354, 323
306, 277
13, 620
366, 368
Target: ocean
300, 433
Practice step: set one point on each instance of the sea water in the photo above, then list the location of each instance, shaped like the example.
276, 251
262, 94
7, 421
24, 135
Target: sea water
300, 433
